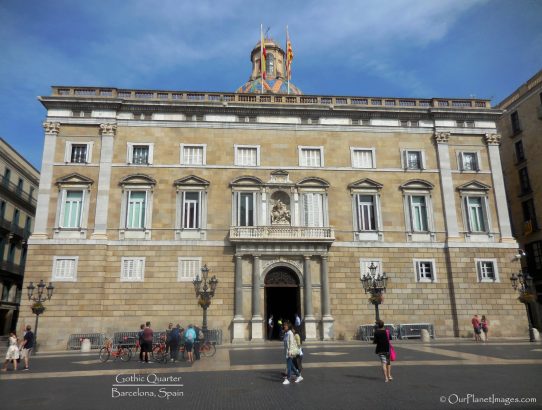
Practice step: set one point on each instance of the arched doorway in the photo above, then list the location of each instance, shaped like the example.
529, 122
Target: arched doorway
282, 298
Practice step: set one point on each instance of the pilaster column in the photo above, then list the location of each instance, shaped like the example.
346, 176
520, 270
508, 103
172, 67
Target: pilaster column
493, 141
310, 322
104, 181
257, 322
446, 182
327, 319
44, 194
238, 319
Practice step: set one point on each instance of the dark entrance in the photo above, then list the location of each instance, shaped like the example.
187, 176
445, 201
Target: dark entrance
281, 298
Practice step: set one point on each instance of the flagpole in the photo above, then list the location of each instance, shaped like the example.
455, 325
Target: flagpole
287, 63
261, 54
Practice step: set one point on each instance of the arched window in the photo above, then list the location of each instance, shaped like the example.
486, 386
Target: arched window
270, 65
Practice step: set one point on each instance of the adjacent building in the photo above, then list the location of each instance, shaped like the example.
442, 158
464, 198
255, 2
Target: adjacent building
521, 150
287, 198
18, 192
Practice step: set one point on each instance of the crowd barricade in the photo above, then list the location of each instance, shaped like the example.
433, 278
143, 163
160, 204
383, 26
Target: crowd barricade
366, 332
413, 330
213, 336
75, 340
126, 339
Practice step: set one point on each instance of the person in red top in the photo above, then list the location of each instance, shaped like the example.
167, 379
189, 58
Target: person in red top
484, 324
476, 327
146, 347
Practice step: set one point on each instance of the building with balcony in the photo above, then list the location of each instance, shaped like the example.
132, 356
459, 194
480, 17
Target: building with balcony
287, 198
521, 128
18, 192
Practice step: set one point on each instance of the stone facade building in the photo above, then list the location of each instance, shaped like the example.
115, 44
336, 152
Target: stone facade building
287, 198
18, 192
521, 150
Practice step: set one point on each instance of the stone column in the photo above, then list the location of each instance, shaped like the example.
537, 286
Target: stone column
104, 181
257, 322
46, 179
310, 322
493, 141
327, 319
238, 319
446, 183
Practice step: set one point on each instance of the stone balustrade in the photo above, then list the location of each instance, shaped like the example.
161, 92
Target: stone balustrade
281, 233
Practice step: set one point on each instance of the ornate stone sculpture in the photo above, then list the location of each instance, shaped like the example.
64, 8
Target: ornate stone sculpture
51, 127
280, 213
442, 137
108, 129
493, 139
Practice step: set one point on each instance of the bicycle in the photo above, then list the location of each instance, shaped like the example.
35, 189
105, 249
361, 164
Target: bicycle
159, 353
123, 351
207, 348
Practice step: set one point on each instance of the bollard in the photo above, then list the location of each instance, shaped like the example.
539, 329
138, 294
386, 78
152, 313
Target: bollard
536, 334
425, 336
85, 346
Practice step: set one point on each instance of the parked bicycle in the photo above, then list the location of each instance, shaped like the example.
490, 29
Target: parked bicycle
159, 353
123, 350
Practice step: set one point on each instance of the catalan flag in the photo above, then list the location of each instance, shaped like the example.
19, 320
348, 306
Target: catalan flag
263, 55
289, 58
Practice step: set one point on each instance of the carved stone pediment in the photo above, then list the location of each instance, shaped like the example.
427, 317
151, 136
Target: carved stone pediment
417, 184
246, 180
474, 186
137, 179
74, 179
191, 180
365, 183
313, 182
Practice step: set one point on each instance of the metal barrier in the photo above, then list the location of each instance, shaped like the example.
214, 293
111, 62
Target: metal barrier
366, 332
413, 330
127, 339
213, 335
96, 340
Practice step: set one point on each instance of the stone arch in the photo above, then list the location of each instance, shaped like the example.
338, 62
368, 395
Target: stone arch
283, 264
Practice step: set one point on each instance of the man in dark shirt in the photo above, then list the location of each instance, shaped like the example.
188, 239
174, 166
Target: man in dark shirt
148, 336
27, 346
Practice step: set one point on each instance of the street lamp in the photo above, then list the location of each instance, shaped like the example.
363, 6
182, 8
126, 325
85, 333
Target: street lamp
523, 283
37, 306
375, 284
205, 293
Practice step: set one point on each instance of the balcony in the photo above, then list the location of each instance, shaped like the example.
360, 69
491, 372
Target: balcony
281, 233
22, 198
11, 267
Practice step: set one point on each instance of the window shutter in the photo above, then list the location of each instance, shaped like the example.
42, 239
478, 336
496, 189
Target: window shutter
422, 160
151, 156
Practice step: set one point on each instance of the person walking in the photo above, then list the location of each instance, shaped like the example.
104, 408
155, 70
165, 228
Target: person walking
189, 338
13, 352
382, 341
270, 326
484, 324
148, 336
291, 351
297, 322
140, 341
27, 346
174, 340
168, 331
477, 328
299, 358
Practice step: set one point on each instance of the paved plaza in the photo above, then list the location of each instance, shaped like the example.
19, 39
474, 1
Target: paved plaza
441, 375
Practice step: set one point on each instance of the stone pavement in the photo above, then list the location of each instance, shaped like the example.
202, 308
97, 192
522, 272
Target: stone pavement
337, 375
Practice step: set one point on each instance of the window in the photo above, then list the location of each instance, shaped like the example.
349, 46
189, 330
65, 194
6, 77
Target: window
136, 212
189, 268
15, 220
413, 159
311, 156
245, 208
191, 210
72, 209
520, 154
366, 212
270, 65
425, 270
514, 118
28, 225
418, 213
468, 161
534, 256
362, 157
7, 176
193, 154
313, 209
476, 213
78, 153
132, 270
2, 247
2, 209
246, 155
140, 154
11, 252
65, 268
20, 186
487, 270
529, 216
524, 183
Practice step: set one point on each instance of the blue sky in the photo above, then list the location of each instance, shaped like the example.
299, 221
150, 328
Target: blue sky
397, 48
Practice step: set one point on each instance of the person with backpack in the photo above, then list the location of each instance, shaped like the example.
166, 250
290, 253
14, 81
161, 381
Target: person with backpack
200, 337
189, 339
148, 336
291, 351
299, 358
174, 340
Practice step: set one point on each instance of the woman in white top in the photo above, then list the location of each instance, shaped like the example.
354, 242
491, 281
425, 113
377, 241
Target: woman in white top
12, 353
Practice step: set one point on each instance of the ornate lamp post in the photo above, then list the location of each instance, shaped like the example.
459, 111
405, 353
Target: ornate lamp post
205, 293
37, 306
523, 283
375, 284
